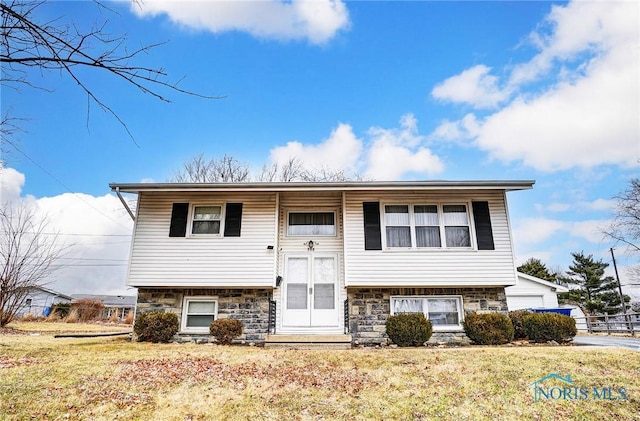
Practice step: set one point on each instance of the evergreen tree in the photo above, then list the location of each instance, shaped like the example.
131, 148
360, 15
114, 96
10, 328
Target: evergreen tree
593, 292
535, 267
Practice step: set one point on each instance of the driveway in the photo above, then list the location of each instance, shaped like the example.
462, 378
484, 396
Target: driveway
615, 341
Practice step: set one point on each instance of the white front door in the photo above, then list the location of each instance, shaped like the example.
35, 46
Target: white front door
310, 292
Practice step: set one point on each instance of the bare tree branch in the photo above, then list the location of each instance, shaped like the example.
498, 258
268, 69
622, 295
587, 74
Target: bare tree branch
54, 45
223, 170
625, 227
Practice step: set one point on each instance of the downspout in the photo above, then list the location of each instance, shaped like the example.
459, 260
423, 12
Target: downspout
124, 203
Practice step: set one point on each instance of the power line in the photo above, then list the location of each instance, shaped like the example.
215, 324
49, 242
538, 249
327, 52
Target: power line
89, 259
64, 185
80, 234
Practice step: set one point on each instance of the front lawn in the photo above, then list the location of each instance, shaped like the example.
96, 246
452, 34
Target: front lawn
111, 378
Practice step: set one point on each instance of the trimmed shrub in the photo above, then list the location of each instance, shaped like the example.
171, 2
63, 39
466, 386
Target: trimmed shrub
408, 329
226, 330
545, 327
488, 328
517, 319
155, 327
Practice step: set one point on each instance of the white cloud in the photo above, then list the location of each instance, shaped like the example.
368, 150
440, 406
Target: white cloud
341, 150
317, 21
386, 154
389, 162
553, 207
539, 230
589, 230
97, 231
583, 115
11, 182
474, 86
536, 230
600, 204
395, 152
458, 130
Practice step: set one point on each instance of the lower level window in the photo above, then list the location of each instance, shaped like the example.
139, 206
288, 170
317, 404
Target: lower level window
198, 313
443, 311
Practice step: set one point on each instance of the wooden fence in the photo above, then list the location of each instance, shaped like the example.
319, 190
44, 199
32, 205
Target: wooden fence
629, 323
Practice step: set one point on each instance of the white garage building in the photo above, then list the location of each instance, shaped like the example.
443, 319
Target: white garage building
530, 292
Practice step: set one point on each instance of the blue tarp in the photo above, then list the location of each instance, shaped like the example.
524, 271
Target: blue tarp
565, 311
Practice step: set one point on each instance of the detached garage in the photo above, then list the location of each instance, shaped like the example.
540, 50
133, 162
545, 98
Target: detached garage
532, 292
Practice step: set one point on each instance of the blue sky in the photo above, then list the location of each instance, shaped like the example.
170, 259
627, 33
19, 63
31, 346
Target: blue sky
393, 90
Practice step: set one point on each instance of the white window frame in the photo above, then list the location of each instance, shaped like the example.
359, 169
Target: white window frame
441, 223
185, 306
425, 306
192, 212
335, 222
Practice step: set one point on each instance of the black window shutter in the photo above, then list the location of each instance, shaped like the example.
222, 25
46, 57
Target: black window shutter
179, 214
482, 220
372, 235
233, 220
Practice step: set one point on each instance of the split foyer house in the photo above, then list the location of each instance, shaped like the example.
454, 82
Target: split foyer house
332, 259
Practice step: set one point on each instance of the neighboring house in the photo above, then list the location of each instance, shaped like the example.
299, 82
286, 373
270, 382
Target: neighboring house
304, 259
114, 305
39, 301
531, 292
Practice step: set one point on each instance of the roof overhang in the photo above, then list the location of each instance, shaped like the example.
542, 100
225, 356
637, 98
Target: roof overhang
558, 287
506, 185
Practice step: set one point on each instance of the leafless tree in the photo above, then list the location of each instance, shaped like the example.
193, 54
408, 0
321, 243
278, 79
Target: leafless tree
625, 227
223, 170
27, 257
292, 170
323, 173
58, 45
230, 170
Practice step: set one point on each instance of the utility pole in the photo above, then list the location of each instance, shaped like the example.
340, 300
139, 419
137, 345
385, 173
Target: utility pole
622, 303
615, 268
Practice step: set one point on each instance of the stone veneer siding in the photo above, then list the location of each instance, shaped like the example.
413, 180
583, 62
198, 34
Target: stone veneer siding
370, 307
250, 306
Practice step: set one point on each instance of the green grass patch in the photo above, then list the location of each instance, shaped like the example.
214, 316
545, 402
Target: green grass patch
112, 378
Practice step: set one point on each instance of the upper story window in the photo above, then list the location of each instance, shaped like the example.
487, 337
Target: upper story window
311, 223
456, 226
206, 220
425, 226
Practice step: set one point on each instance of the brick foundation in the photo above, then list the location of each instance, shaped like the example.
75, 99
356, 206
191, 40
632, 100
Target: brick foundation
250, 306
370, 307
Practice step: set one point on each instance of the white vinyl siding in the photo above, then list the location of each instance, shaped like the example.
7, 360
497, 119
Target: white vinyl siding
294, 245
158, 260
427, 267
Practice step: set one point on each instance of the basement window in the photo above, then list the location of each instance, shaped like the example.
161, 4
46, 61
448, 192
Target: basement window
444, 312
198, 313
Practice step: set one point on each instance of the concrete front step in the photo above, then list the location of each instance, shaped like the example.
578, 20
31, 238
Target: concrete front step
334, 341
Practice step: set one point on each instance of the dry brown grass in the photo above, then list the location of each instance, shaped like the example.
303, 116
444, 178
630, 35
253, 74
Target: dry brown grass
98, 378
